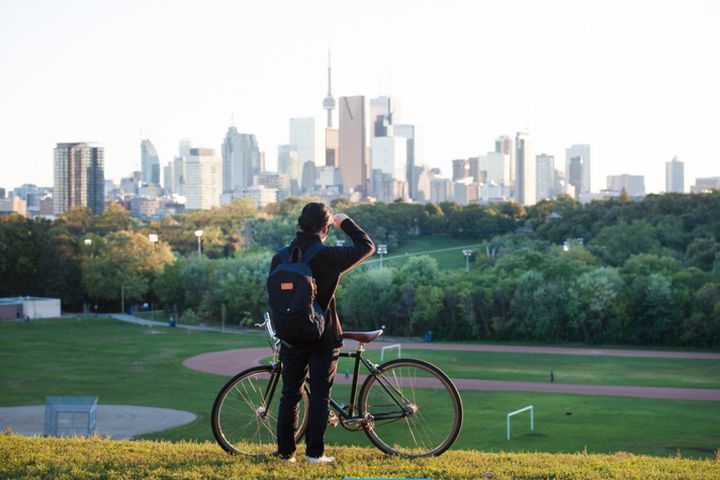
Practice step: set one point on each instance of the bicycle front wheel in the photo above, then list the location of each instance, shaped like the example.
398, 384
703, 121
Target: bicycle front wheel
244, 415
413, 409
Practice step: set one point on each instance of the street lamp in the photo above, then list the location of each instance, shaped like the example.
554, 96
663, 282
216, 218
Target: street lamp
467, 252
88, 242
153, 239
382, 250
199, 234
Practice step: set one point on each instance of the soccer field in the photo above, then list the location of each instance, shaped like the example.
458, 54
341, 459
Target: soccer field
128, 364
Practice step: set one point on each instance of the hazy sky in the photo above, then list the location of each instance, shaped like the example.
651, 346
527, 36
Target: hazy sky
637, 80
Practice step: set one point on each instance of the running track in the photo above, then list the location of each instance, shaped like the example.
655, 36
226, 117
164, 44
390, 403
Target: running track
230, 362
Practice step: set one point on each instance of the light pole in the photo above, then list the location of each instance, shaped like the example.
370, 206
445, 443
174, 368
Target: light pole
467, 252
382, 250
199, 234
153, 239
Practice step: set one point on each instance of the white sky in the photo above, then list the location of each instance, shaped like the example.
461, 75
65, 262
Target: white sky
637, 80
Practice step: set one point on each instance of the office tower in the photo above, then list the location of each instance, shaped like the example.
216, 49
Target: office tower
465, 191
277, 181
634, 185
409, 132
579, 155
460, 169
496, 166
389, 160
203, 179
504, 145
422, 176
302, 139
331, 147
674, 176
329, 101
2, 193
353, 161
240, 160
380, 117
287, 161
308, 176
705, 184
545, 171
149, 163
440, 189
574, 175
79, 178
328, 177
525, 193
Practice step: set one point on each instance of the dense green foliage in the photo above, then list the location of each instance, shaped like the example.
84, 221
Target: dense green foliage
643, 272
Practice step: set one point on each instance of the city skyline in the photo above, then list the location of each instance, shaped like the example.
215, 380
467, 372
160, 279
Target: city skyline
636, 82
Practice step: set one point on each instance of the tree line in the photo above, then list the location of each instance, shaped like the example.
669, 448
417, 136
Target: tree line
617, 271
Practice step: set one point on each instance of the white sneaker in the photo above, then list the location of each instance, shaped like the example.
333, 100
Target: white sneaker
322, 459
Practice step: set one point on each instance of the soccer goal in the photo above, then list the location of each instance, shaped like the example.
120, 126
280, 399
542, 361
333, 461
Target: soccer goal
532, 418
395, 346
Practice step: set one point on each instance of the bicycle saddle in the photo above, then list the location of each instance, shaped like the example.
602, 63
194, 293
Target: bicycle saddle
363, 337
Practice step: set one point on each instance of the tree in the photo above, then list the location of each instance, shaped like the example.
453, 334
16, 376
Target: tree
591, 303
126, 261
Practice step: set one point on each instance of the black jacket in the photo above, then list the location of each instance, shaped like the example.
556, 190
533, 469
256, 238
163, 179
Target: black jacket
327, 267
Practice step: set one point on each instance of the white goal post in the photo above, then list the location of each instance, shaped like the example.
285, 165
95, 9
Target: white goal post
532, 418
396, 346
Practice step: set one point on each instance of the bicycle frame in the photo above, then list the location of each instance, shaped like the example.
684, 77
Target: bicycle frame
349, 414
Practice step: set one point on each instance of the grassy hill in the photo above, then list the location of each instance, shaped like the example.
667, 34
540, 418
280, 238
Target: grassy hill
51, 458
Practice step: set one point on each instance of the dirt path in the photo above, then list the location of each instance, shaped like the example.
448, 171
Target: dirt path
230, 362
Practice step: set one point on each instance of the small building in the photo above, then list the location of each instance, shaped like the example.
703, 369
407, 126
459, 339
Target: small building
17, 308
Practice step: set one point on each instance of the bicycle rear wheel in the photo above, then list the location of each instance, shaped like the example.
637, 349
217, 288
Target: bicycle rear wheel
414, 409
244, 421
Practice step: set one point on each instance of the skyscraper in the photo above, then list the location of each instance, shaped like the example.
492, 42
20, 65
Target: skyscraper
353, 161
409, 132
149, 163
287, 162
634, 185
240, 160
504, 145
674, 176
203, 179
460, 169
389, 159
525, 193
79, 177
302, 139
545, 174
583, 185
381, 116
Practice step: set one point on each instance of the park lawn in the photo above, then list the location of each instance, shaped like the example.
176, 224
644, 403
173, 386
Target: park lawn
130, 364
447, 260
576, 369
121, 363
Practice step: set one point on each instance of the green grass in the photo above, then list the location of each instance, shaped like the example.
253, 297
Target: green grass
129, 364
446, 260
575, 369
84, 459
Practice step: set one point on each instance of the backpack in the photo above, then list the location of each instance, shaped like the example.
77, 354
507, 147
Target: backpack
291, 288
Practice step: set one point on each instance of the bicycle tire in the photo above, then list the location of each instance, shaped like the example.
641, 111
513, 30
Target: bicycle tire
432, 405
241, 423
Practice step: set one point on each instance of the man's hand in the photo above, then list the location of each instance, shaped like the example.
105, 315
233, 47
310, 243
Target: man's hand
338, 219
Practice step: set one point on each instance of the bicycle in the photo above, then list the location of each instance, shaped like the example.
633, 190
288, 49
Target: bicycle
406, 407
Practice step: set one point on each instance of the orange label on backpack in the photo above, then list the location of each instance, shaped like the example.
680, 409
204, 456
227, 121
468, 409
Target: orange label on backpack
286, 286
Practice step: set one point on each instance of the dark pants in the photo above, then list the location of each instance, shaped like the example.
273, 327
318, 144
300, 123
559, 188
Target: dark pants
295, 366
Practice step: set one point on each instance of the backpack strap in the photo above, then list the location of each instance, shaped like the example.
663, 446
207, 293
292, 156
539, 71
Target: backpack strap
311, 252
284, 254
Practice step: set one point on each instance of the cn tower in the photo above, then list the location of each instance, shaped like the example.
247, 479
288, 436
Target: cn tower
329, 102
